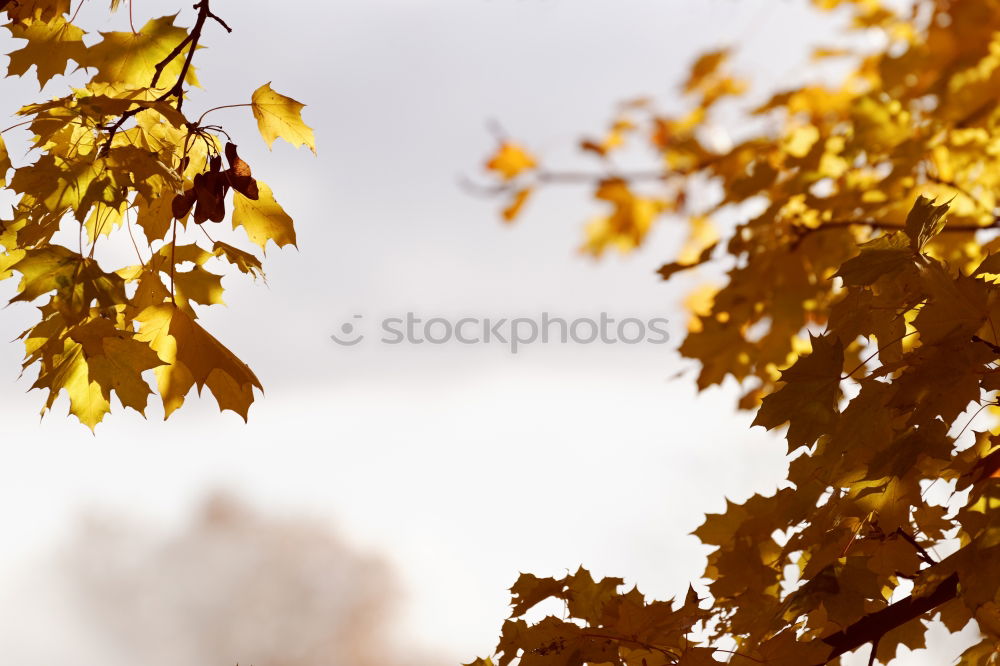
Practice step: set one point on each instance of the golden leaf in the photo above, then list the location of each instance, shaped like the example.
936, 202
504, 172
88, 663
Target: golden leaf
264, 219
280, 117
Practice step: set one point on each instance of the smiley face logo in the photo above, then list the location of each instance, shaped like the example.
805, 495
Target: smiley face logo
348, 330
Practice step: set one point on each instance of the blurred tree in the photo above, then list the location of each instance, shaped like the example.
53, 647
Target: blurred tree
118, 155
233, 586
857, 226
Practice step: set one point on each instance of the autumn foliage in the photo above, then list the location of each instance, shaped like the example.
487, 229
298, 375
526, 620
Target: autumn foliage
856, 229
120, 155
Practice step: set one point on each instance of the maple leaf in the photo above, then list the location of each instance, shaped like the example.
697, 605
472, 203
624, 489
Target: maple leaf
705, 66
198, 285
884, 256
154, 217
116, 361
51, 45
244, 261
631, 218
21, 10
194, 358
5, 164
845, 181
71, 372
280, 117
924, 222
263, 219
587, 598
529, 590
114, 153
56, 268
511, 160
808, 399
668, 270
553, 642
130, 59
516, 205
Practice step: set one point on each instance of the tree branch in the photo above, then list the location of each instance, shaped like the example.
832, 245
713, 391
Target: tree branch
871, 628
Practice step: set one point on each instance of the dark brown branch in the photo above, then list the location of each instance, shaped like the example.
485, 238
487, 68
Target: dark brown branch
871, 628
220, 21
158, 69
178, 88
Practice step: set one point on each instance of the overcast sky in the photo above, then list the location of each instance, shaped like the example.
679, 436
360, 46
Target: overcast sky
462, 465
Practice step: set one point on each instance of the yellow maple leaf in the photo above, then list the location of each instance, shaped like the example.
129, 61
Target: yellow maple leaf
129, 59
72, 374
154, 216
194, 358
511, 160
51, 45
199, 285
116, 361
704, 67
244, 261
23, 10
516, 205
625, 228
5, 164
280, 117
263, 219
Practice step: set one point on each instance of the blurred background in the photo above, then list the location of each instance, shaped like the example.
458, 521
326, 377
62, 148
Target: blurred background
383, 498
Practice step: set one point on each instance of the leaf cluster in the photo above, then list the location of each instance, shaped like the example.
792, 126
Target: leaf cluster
856, 229
118, 156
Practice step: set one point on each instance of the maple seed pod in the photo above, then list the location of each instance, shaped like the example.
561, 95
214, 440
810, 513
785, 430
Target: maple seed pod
245, 185
240, 169
239, 176
210, 189
181, 205
231, 154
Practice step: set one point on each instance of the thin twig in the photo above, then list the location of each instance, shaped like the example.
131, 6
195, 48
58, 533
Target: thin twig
924, 555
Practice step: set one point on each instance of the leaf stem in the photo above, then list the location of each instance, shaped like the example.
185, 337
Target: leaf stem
78, 7
128, 225
875, 353
173, 250
216, 108
16, 125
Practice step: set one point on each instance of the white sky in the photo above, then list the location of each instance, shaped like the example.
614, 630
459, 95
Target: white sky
462, 466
